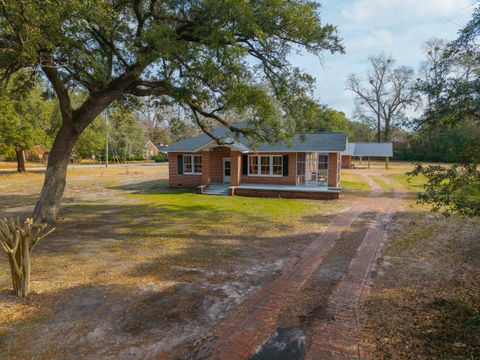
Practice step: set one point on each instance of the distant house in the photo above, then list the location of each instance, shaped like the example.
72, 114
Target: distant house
151, 150
367, 150
309, 167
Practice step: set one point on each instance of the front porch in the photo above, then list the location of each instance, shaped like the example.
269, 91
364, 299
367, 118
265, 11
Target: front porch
278, 191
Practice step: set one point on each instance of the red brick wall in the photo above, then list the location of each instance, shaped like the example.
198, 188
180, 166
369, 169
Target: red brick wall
149, 148
346, 160
286, 194
277, 180
216, 163
176, 180
332, 169
235, 167
206, 164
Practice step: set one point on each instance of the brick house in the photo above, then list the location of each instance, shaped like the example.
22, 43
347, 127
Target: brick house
151, 150
308, 167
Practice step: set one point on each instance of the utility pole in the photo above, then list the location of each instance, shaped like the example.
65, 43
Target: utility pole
106, 142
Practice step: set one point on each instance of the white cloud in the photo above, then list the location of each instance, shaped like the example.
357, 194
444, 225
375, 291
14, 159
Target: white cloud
398, 10
396, 27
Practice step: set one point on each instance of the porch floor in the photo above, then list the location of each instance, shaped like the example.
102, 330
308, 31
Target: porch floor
223, 189
301, 188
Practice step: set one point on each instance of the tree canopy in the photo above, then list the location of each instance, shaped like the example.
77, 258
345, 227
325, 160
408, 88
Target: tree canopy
452, 89
210, 57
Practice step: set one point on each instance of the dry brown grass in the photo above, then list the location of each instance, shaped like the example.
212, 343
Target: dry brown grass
426, 300
135, 268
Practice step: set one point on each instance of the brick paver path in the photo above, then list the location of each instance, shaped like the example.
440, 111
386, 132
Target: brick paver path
255, 319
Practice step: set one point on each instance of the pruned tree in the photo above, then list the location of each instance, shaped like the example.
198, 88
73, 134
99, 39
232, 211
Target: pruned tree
207, 56
383, 98
18, 240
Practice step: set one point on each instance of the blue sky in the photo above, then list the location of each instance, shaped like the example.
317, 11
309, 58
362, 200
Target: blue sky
368, 27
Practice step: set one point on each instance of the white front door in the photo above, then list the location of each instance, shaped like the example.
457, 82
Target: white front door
226, 170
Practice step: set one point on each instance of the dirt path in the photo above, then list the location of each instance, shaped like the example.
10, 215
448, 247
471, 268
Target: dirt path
312, 310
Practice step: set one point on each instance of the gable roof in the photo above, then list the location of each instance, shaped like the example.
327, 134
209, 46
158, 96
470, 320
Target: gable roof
324, 141
369, 149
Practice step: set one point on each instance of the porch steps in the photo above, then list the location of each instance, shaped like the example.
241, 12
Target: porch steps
216, 190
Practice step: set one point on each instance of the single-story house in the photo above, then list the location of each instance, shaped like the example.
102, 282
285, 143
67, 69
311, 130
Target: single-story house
307, 167
366, 150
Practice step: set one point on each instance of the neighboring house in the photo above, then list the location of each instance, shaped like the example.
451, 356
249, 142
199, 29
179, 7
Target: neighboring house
367, 150
151, 150
308, 168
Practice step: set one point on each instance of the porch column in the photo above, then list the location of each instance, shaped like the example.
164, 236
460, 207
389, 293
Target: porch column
332, 169
235, 167
205, 167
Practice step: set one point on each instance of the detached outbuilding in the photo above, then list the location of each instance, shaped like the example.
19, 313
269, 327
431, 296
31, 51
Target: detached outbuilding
367, 150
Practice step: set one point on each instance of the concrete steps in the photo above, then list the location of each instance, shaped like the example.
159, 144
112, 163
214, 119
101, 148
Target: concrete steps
221, 190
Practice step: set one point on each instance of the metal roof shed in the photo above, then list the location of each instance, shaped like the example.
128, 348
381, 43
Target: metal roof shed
384, 149
374, 149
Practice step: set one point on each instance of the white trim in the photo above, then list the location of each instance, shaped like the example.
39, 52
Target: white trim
270, 166
214, 142
226, 179
192, 157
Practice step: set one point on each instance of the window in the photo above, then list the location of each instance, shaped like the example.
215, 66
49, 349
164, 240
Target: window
265, 168
277, 166
322, 162
323, 169
192, 164
253, 168
265, 165
301, 168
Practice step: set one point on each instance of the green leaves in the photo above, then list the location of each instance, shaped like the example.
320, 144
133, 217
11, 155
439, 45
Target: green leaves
231, 56
452, 189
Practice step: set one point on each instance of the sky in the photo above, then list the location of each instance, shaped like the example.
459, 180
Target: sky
369, 27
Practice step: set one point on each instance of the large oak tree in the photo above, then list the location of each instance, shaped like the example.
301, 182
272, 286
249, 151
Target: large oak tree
211, 57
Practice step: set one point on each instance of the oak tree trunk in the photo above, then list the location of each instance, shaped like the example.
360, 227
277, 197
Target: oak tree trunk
20, 159
46, 209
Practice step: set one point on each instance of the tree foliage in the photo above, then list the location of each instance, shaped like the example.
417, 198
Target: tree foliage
452, 189
26, 117
453, 95
211, 57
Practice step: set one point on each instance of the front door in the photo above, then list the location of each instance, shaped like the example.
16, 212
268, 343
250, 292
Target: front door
226, 170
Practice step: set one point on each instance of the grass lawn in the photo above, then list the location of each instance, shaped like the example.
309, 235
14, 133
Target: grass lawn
354, 182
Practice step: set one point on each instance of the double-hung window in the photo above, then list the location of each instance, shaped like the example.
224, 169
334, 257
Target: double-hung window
192, 164
265, 165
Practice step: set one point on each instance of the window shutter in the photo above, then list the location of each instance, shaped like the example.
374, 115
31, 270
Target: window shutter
245, 165
285, 165
180, 164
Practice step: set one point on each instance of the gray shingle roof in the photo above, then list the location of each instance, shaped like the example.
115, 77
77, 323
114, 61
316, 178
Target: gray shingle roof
326, 141
370, 149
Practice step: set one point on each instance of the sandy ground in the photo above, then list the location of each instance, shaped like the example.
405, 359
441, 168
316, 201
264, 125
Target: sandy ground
126, 276
132, 275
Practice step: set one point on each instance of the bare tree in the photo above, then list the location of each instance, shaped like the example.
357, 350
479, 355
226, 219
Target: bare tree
384, 96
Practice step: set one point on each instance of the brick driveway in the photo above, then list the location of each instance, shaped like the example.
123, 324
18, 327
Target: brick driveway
335, 336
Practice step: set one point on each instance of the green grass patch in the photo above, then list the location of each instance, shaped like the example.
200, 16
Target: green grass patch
181, 204
354, 185
354, 182
382, 183
414, 184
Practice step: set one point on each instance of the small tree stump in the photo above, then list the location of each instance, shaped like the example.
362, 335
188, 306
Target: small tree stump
18, 241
